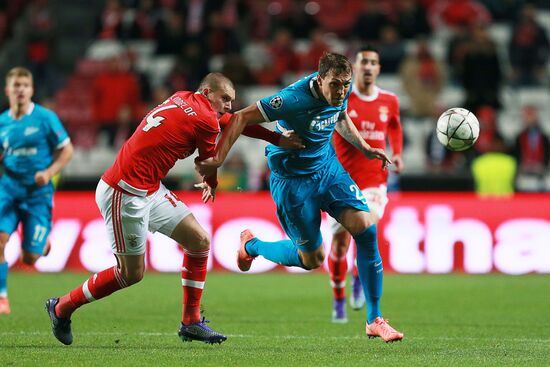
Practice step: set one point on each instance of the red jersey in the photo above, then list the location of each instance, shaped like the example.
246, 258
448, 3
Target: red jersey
171, 131
375, 117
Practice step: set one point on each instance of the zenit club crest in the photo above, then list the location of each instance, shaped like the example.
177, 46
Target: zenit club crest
276, 102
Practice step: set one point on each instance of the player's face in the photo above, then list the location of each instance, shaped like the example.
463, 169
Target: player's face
334, 87
366, 67
221, 99
19, 90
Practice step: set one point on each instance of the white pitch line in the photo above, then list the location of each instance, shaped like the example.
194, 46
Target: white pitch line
288, 337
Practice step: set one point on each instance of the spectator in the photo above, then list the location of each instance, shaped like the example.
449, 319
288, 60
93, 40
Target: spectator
144, 20
284, 58
529, 49
189, 69
452, 13
170, 34
392, 49
113, 90
490, 139
481, 73
456, 51
300, 19
370, 22
110, 21
233, 176
221, 37
411, 20
41, 39
503, 11
422, 79
237, 70
317, 48
532, 152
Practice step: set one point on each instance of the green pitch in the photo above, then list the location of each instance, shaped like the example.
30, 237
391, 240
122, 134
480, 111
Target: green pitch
284, 320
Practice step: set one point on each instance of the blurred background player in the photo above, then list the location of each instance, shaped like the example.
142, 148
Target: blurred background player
304, 182
133, 200
35, 147
375, 114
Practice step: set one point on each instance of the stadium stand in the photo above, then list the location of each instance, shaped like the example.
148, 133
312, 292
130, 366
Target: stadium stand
242, 36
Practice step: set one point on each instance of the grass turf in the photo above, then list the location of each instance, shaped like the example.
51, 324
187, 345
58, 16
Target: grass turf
281, 319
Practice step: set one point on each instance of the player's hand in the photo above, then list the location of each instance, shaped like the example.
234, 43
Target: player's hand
207, 167
290, 140
207, 192
398, 163
42, 178
377, 153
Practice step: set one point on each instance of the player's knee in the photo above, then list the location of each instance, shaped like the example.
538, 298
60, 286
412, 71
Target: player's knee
362, 222
29, 258
132, 276
313, 261
203, 242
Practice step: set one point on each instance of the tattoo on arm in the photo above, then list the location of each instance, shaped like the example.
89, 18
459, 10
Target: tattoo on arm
348, 131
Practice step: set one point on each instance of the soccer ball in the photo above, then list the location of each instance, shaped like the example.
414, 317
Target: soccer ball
457, 129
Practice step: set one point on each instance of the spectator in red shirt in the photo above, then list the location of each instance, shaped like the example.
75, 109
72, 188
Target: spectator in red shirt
113, 90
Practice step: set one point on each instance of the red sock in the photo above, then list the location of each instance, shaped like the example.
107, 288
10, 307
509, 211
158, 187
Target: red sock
338, 268
193, 275
96, 287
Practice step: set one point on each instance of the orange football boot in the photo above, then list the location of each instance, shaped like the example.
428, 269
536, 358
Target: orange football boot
244, 260
381, 328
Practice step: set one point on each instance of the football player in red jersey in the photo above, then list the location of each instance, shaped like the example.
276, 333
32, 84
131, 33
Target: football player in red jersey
375, 113
133, 201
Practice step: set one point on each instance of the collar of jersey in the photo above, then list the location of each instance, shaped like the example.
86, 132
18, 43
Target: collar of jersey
312, 88
29, 111
366, 98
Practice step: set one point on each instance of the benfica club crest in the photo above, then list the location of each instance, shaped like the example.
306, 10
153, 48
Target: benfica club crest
384, 111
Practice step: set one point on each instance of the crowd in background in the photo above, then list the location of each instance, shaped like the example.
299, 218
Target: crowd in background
274, 42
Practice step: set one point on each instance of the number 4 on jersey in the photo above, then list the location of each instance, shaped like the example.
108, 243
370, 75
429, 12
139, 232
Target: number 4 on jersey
154, 120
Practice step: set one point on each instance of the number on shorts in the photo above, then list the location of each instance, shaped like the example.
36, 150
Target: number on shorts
39, 233
154, 120
358, 194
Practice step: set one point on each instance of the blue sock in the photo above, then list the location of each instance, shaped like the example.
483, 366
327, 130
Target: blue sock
369, 266
281, 252
4, 279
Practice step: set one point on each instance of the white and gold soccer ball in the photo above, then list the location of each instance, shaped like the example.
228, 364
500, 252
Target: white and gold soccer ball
457, 129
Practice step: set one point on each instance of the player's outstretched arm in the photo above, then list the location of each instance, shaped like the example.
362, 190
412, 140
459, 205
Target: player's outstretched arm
62, 156
348, 131
247, 116
288, 140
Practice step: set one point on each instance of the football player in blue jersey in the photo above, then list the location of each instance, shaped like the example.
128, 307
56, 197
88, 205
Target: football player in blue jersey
34, 147
304, 182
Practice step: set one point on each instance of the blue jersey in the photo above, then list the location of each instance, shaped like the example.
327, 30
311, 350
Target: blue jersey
28, 144
298, 107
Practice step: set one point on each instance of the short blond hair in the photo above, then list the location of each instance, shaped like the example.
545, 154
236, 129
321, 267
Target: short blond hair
215, 82
18, 71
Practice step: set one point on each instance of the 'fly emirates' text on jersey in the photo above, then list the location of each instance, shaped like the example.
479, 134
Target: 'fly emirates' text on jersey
375, 117
171, 131
298, 107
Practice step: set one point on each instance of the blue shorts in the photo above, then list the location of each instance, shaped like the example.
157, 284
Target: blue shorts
30, 205
300, 200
